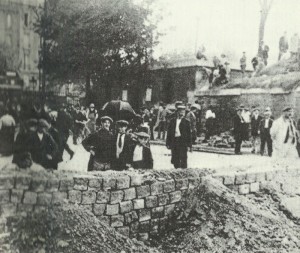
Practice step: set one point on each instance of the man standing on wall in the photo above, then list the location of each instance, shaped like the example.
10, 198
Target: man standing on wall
179, 138
283, 45
243, 63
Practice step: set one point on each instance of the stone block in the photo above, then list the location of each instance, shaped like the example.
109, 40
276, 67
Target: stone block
123, 182
109, 183
99, 209
143, 236
136, 180
138, 204
229, 180
126, 206
234, 188
250, 177
88, 197
95, 183
129, 194
151, 201
254, 187
260, 177
144, 215
157, 188
39, 209
154, 224
175, 197
144, 226
44, 198
66, 185
81, 183
169, 186
16, 196
75, 196
7, 210
30, 198
143, 191
52, 185
182, 184
157, 212
102, 197
117, 221
134, 227
169, 209
131, 217
112, 209
23, 182
163, 222
38, 185
240, 179
116, 196
219, 178
6, 182
123, 230
163, 199
59, 197
26, 208
88, 208
244, 189
105, 219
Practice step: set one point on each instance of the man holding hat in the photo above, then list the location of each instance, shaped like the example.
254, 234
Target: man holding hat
179, 138
122, 145
265, 137
42, 146
284, 135
100, 145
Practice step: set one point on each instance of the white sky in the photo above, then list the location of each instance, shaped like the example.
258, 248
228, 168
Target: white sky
229, 26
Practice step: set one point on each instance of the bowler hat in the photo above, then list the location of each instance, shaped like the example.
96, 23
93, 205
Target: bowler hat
43, 123
122, 123
106, 118
181, 107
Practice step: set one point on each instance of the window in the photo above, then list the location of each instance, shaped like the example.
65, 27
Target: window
8, 21
26, 19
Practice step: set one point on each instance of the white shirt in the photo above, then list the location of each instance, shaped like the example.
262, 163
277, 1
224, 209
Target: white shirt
210, 114
246, 116
7, 120
177, 130
120, 149
138, 153
267, 123
40, 135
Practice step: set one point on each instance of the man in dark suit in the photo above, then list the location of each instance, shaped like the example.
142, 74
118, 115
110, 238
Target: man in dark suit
239, 130
265, 137
179, 138
122, 148
255, 131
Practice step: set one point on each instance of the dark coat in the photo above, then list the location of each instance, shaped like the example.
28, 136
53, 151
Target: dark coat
239, 128
125, 155
40, 149
147, 162
64, 122
185, 130
59, 143
21, 154
263, 130
101, 142
255, 123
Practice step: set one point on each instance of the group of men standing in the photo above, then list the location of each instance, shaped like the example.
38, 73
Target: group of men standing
280, 135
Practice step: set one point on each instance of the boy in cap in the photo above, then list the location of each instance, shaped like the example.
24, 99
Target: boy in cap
265, 137
100, 145
179, 138
121, 147
142, 156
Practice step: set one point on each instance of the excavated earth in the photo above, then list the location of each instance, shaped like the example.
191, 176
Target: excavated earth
213, 219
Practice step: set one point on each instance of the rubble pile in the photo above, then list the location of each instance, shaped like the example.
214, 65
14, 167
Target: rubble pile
224, 140
69, 230
218, 220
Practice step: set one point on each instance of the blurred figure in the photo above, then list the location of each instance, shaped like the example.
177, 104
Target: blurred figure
7, 133
265, 54
210, 117
254, 62
283, 45
294, 46
255, 130
191, 117
243, 63
265, 137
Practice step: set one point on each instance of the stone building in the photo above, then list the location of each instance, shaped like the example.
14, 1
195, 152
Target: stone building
16, 23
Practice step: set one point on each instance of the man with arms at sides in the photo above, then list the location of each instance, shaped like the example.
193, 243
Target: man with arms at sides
179, 138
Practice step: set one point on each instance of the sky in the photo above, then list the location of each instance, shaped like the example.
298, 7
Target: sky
224, 26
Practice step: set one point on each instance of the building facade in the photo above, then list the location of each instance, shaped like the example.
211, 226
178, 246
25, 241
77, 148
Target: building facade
16, 33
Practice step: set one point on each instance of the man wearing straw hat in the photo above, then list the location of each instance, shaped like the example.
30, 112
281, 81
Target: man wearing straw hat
179, 138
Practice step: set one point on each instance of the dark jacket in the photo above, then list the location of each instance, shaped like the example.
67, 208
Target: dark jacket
239, 128
40, 149
283, 44
125, 155
147, 162
255, 123
64, 122
263, 130
21, 154
185, 130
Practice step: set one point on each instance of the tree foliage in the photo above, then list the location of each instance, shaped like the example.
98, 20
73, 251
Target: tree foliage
107, 41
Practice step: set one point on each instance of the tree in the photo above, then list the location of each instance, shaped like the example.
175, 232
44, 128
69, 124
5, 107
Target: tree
106, 41
7, 59
265, 9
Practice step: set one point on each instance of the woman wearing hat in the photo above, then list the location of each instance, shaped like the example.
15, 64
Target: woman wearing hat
100, 145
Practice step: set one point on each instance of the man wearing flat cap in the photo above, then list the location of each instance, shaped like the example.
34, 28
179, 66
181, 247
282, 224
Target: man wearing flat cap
100, 145
122, 146
42, 146
284, 135
179, 138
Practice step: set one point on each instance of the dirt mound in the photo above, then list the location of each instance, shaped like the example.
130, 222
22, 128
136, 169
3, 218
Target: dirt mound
218, 220
69, 230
